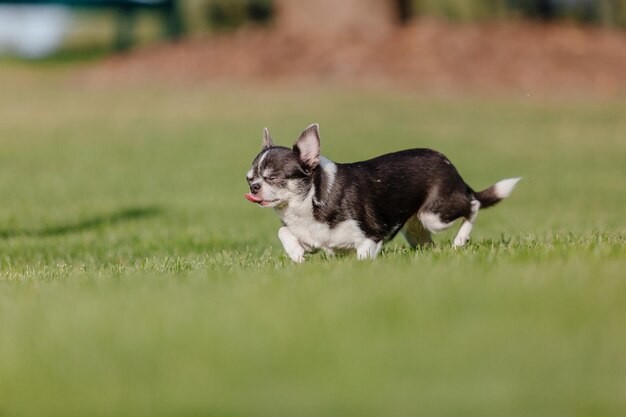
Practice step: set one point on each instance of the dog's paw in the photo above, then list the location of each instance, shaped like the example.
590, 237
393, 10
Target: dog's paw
296, 255
460, 241
368, 250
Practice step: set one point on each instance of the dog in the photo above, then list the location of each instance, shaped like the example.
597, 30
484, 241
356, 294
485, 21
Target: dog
359, 206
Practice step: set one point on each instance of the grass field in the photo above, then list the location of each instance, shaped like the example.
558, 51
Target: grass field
135, 280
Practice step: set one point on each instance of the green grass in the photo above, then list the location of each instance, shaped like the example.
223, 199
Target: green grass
135, 280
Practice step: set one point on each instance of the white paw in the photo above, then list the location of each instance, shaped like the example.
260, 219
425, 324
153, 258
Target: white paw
460, 241
368, 250
293, 248
296, 255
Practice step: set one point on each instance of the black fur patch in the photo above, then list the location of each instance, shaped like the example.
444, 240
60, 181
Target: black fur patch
384, 192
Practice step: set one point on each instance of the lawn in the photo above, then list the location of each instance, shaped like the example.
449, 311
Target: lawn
135, 280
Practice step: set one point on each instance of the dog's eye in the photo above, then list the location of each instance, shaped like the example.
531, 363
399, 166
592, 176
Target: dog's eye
270, 178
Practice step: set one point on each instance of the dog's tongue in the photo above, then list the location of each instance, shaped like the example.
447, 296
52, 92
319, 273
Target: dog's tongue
251, 198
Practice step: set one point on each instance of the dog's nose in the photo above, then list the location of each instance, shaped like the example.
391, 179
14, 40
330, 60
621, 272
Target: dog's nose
255, 187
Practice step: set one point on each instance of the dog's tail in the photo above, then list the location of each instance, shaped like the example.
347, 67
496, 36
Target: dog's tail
497, 192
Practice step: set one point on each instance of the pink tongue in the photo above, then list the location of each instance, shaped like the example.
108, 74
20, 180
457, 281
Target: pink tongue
251, 198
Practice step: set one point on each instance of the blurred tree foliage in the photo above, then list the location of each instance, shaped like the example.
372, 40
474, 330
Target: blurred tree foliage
608, 12
227, 14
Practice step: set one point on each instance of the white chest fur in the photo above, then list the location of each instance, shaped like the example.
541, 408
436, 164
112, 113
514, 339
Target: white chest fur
305, 232
313, 234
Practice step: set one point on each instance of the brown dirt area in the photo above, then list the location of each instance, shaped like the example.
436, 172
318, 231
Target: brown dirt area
427, 55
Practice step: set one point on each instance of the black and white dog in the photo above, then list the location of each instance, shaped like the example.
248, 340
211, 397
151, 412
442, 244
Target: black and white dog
330, 206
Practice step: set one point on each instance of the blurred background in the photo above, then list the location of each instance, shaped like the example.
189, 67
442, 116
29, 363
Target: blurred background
532, 46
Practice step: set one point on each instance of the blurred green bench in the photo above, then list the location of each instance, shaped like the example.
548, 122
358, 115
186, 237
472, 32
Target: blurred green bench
126, 12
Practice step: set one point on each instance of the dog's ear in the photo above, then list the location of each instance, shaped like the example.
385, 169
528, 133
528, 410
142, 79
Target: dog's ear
267, 139
307, 148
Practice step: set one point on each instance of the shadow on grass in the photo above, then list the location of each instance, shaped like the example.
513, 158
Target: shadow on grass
91, 223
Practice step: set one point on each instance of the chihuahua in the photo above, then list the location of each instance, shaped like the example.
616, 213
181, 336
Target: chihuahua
359, 206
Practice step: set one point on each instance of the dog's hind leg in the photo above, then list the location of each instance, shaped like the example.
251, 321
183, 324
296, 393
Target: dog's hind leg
415, 233
462, 237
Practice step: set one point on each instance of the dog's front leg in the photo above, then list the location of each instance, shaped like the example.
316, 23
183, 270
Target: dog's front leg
291, 244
